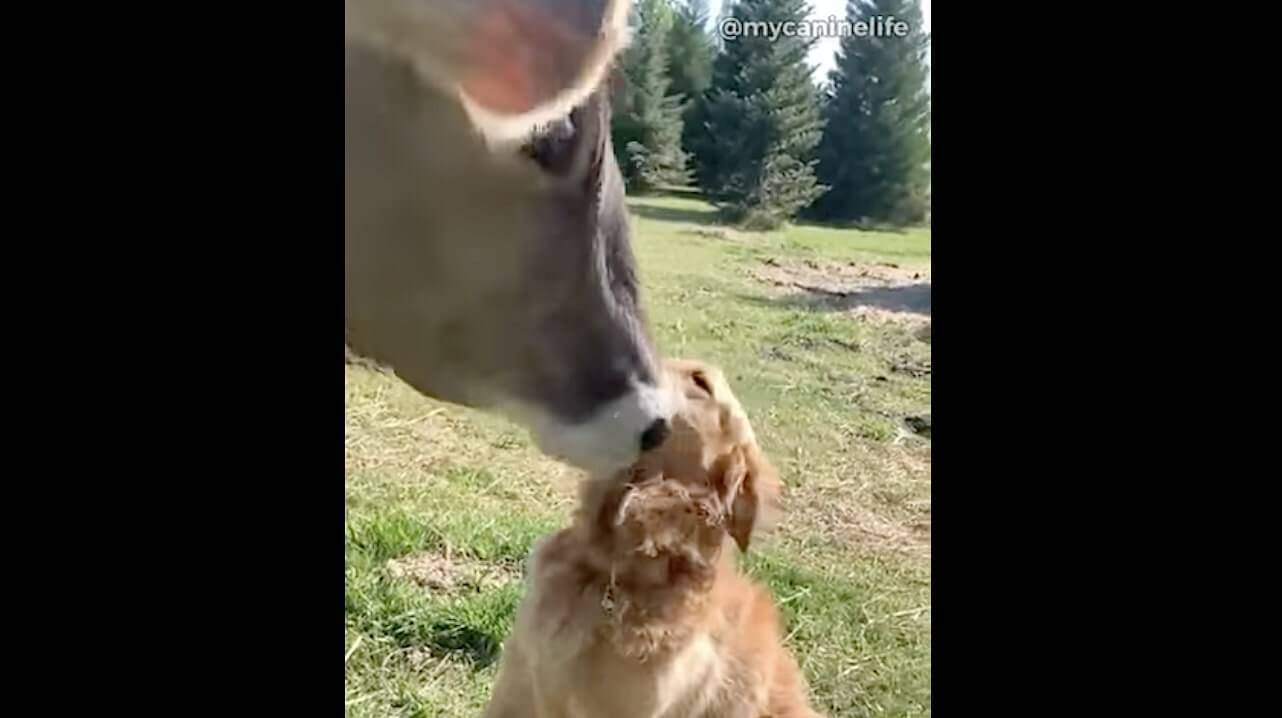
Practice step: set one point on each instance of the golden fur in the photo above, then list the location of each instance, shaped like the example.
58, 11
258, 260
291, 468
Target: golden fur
637, 610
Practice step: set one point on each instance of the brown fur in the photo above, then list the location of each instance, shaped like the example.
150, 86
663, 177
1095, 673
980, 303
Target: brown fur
637, 610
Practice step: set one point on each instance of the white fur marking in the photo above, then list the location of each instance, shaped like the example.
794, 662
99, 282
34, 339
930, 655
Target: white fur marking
610, 440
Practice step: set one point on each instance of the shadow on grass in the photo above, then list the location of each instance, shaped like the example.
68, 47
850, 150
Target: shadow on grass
858, 226
479, 647
704, 217
710, 215
911, 298
682, 192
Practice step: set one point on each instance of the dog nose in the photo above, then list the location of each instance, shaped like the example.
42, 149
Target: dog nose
654, 435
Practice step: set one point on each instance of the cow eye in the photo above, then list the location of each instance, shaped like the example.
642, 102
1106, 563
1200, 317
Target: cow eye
552, 147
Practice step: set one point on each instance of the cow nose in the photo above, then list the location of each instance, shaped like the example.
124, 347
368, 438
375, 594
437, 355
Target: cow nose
654, 435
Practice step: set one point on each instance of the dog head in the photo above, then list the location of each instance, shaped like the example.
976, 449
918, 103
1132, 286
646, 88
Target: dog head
712, 445
708, 480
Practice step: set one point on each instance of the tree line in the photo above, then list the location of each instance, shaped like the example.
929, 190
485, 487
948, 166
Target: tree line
741, 118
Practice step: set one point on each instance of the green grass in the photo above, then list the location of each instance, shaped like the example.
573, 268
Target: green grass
849, 564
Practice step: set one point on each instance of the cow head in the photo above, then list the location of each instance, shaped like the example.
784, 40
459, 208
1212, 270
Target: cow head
487, 252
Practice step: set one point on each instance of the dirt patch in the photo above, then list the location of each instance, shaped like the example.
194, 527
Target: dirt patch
915, 367
863, 529
720, 234
877, 501
442, 572
919, 424
878, 291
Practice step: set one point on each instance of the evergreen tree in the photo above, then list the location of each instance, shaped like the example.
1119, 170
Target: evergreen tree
647, 118
727, 10
760, 121
691, 50
876, 145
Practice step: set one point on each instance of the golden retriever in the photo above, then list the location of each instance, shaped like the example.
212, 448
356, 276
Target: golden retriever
637, 610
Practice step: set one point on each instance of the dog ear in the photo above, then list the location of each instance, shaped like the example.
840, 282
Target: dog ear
750, 490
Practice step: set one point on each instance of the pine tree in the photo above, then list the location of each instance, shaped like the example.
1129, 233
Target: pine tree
691, 50
760, 121
647, 120
876, 144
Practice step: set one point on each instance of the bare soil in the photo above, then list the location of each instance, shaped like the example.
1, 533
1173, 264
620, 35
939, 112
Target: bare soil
442, 572
871, 291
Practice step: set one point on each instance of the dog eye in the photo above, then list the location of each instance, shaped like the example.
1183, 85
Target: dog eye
701, 381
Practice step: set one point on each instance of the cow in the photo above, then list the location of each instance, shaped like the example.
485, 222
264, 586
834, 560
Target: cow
487, 253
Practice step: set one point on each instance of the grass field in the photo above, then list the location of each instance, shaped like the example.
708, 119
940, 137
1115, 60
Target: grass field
444, 503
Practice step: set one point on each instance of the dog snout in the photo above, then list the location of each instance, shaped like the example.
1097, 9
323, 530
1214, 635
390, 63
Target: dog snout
655, 434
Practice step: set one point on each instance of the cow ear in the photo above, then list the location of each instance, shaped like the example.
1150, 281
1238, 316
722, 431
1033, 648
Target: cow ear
515, 64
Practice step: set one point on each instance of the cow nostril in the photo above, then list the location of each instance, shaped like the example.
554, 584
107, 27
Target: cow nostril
654, 435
